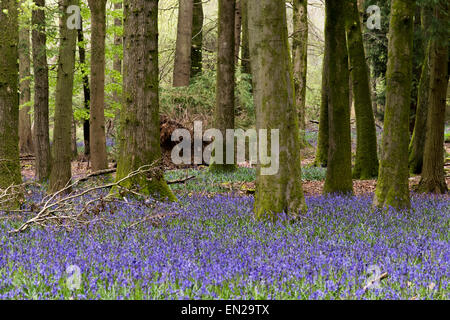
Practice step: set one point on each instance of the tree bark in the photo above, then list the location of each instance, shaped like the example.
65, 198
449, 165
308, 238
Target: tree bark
433, 176
62, 154
197, 39
99, 160
245, 51
300, 58
339, 170
25, 135
366, 163
392, 187
9, 95
117, 67
224, 112
86, 90
182, 66
237, 31
417, 144
275, 109
139, 130
41, 94
323, 136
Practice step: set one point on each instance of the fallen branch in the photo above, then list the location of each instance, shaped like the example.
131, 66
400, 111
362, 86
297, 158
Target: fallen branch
98, 173
181, 180
371, 282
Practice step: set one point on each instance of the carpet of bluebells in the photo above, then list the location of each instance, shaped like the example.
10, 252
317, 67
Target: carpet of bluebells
214, 249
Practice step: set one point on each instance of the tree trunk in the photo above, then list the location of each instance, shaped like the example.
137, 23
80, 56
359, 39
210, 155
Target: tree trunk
74, 139
197, 39
366, 163
86, 90
417, 144
300, 58
245, 51
339, 170
237, 31
392, 187
433, 177
25, 135
279, 191
9, 97
323, 136
62, 154
182, 66
41, 94
117, 67
139, 130
224, 113
99, 160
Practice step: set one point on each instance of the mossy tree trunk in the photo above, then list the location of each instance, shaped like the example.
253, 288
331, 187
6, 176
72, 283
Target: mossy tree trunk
197, 39
182, 65
25, 135
433, 176
61, 171
139, 129
366, 163
339, 166
41, 93
392, 187
321, 158
117, 67
225, 84
97, 133
275, 109
300, 59
245, 51
9, 95
417, 144
86, 90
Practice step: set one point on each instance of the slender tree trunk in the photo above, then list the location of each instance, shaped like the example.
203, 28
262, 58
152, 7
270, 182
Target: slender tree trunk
237, 31
117, 67
197, 39
323, 136
74, 139
417, 144
25, 135
182, 66
366, 164
245, 51
339, 171
9, 97
139, 130
224, 113
281, 190
41, 94
61, 172
86, 90
300, 58
97, 133
433, 176
392, 188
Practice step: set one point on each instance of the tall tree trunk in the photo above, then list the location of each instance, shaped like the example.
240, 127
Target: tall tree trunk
245, 51
224, 112
433, 177
323, 136
392, 187
417, 144
25, 135
74, 139
339, 169
300, 58
182, 66
366, 164
279, 191
97, 133
9, 97
117, 67
41, 94
139, 130
61, 172
197, 39
86, 90
237, 31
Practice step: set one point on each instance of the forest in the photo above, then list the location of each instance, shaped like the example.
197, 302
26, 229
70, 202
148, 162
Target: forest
224, 150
